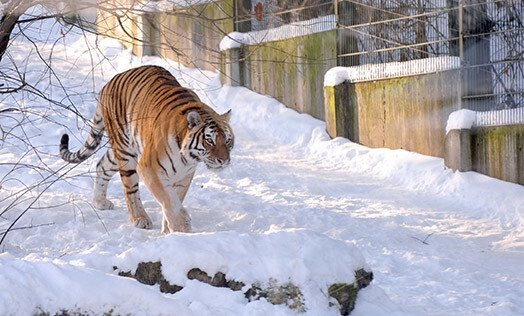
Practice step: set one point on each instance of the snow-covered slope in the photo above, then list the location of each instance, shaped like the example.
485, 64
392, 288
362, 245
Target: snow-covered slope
294, 205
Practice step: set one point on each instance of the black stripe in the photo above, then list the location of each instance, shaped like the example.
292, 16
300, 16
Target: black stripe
134, 186
174, 106
180, 97
127, 173
137, 72
194, 156
126, 153
92, 146
109, 158
158, 87
191, 108
171, 160
131, 191
195, 136
158, 161
171, 93
110, 175
212, 125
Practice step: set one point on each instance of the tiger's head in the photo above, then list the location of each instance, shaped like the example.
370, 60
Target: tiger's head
210, 139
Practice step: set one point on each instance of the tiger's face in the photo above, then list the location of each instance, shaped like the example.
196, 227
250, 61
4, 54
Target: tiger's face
218, 143
210, 141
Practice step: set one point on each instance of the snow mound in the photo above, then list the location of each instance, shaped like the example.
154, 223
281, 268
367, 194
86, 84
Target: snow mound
461, 119
305, 258
56, 286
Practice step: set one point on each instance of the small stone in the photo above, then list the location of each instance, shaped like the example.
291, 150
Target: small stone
150, 273
197, 274
219, 280
235, 285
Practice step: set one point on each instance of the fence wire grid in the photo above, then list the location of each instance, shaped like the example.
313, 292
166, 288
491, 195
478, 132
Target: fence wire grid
488, 36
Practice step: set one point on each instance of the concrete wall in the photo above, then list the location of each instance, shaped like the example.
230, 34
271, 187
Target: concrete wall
291, 70
108, 23
193, 38
190, 36
498, 152
401, 113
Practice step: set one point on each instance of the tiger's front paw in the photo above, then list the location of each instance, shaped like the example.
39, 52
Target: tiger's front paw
143, 222
181, 224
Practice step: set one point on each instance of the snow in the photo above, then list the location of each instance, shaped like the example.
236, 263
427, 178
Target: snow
166, 5
338, 75
466, 119
294, 205
295, 29
461, 119
233, 40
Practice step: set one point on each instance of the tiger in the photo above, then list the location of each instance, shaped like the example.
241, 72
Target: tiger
158, 132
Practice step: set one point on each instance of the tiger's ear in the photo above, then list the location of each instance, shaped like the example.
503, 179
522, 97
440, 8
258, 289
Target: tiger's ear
193, 119
226, 116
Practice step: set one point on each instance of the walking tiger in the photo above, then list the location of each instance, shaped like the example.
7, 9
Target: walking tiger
158, 131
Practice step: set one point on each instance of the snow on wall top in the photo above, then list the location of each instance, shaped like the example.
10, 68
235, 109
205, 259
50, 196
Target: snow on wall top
466, 119
461, 119
338, 75
295, 29
166, 5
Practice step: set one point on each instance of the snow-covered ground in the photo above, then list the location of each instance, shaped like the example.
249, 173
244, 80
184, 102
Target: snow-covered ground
294, 206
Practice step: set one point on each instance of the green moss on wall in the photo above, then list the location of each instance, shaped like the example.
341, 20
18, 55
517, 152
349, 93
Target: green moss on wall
497, 152
292, 70
407, 113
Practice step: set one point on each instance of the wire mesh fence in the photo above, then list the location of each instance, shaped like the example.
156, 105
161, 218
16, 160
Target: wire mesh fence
488, 36
257, 15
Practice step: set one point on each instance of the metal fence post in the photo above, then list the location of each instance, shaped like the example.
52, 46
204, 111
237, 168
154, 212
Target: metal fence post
461, 54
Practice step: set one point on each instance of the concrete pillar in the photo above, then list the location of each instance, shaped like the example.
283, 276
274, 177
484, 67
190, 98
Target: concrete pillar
234, 67
458, 150
341, 111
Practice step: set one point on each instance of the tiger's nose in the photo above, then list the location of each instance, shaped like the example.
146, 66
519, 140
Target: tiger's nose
222, 161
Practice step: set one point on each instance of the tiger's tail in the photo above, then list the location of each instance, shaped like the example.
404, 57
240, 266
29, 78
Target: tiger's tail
91, 144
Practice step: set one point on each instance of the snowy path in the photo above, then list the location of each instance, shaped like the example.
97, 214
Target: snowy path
438, 243
427, 250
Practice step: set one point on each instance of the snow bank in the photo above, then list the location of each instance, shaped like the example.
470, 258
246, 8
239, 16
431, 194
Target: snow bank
338, 75
29, 286
295, 29
303, 257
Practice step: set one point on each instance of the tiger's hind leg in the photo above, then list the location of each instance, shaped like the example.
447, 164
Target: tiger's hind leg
105, 169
